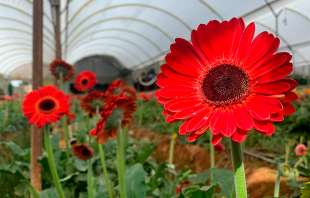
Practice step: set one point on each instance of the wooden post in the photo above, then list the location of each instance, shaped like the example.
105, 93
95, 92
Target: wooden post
37, 81
57, 28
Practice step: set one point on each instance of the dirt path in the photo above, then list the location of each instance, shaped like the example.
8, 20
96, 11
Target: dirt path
260, 174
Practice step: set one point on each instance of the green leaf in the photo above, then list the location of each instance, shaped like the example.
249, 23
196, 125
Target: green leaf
225, 179
196, 192
305, 190
48, 193
135, 182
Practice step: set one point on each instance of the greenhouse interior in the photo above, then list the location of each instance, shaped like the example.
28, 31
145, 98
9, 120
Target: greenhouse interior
154, 98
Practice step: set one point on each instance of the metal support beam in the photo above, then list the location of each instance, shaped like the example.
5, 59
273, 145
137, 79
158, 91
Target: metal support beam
56, 22
37, 81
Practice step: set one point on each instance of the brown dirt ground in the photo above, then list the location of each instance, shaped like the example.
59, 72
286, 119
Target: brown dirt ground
260, 174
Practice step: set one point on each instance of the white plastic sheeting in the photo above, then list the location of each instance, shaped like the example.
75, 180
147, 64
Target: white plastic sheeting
139, 32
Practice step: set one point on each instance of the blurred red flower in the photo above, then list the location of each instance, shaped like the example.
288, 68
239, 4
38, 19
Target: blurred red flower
118, 87
85, 81
118, 110
227, 80
301, 150
181, 186
45, 105
219, 147
82, 151
61, 69
93, 101
146, 96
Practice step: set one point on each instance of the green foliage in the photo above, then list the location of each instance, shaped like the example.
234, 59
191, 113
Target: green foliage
305, 190
135, 181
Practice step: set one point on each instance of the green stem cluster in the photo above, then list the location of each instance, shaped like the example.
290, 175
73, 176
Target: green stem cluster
121, 163
52, 163
106, 178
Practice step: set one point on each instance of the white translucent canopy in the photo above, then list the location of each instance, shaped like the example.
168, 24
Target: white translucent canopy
138, 33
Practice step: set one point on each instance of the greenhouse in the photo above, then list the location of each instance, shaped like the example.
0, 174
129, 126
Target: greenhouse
154, 98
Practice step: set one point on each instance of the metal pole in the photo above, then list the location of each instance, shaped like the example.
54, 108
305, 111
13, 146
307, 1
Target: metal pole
37, 81
56, 7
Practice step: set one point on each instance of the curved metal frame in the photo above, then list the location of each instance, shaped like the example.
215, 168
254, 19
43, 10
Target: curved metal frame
125, 5
21, 39
26, 33
25, 13
86, 36
118, 39
170, 38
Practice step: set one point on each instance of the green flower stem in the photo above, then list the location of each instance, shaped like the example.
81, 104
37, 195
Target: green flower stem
276, 192
52, 164
106, 178
239, 174
90, 181
121, 163
171, 147
212, 158
66, 134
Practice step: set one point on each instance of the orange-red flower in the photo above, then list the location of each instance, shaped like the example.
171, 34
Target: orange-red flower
85, 81
118, 87
61, 69
301, 150
93, 101
82, 151
45, 105
146, 96
227, 80
118, 110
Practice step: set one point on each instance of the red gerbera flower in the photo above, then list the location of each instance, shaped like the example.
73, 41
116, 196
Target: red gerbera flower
45, 105
93, 101
61, 69
226, 80
301, 150
82, 151
85, 81
146, 96
118, 87
117, 110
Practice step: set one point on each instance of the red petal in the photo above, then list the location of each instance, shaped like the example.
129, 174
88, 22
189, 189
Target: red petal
198, 121
189, 112
216, 139
245, 41
243, 119
265, 127
177, 91
277, 74
276, 87
181, 104
239, 136
225, 123
288, 109
277, 117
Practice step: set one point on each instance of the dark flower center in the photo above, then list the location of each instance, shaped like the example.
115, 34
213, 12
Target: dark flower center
225, 84
86, 152
61, 71
84, 82
47, 105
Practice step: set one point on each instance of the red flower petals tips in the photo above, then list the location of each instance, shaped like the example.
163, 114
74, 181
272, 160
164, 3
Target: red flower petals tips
85, 81
61, 69
226, 80
45, 105
93, 102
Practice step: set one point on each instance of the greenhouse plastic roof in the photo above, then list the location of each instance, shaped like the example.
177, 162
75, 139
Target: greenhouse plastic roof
138, 33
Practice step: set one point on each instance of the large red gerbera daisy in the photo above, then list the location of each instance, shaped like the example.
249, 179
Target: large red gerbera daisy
45, 105
93, 102
61, 70
226, 80
85, 81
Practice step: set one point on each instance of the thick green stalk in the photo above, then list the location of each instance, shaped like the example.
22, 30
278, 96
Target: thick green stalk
90, 181
171, 148
276, 192
121, 162
52, 164
106, 178
239, 173
212, 159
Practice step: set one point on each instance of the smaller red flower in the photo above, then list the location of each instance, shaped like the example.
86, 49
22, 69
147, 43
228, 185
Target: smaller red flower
118, 109
301, 150
146, 96
82, 151
85, 81
118, 87
93, 101
71, 117
219, 147
45, 105
61, 69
